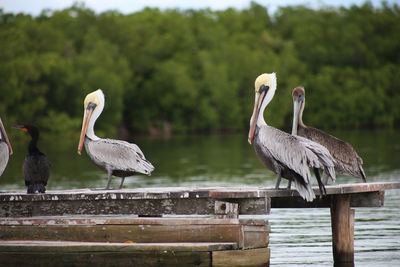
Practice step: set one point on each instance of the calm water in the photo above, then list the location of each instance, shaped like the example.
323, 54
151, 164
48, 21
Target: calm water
299, 237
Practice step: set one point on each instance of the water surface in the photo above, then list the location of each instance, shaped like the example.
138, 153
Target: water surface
299, 237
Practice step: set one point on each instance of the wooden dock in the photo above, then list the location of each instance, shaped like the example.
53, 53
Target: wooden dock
165, 226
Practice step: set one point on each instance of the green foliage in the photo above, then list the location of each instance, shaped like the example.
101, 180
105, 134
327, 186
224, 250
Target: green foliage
195, 69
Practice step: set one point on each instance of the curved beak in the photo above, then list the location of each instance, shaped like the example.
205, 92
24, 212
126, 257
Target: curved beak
256, 112
3, 133
296, 110
86, 118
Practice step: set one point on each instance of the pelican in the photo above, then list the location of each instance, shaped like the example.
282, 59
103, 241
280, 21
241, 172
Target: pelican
36, 167
290, 157
5, 148
116, 157
347, 162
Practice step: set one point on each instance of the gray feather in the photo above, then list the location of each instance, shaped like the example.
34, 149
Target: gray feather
4, 157
118, 155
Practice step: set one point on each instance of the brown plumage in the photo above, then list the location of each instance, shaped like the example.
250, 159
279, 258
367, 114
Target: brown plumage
347, 160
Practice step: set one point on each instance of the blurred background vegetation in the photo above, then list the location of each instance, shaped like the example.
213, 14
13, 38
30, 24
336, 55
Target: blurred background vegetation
185, 71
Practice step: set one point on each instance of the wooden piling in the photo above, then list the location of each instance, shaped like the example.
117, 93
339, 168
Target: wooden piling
342, 221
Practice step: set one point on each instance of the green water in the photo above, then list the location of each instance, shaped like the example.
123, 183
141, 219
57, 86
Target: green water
299, 237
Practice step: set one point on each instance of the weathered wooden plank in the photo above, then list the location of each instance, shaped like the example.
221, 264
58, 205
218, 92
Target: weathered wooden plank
138, 193
149, 207
129, 206
103, 254
128, 220
361, 199
122, 233
72, 247
107, 259
249, 257
254, 206
342, 221
338, 189
255, 236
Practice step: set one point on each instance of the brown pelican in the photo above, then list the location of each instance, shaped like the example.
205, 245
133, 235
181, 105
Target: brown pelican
5, 148
36, 167
347, 161
116, 157
286, 155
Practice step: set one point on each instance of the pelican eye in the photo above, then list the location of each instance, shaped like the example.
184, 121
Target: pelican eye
263, 88
91, 105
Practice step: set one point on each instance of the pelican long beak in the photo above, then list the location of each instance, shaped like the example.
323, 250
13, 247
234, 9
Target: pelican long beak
86, 119
296, 110
4, 133
254, 117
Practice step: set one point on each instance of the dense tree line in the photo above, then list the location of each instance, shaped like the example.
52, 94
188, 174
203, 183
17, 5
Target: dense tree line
194, 70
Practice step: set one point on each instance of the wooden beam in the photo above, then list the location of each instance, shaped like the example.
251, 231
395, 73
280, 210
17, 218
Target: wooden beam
245, 233
19, 253
43, 253
338, 189
241, 258
153, 204
125, 220
361, 199
70, 247
342, 221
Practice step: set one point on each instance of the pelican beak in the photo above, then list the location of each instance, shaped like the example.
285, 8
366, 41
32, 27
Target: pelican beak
3, 132
86, 118
256, 112
296, 110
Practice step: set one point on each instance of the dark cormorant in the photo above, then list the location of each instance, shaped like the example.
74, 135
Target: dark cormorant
36, 167
5, 148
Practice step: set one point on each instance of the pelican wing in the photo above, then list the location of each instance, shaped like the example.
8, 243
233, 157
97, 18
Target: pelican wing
4, 156
120, 155
325, 158
346, 158
287, 150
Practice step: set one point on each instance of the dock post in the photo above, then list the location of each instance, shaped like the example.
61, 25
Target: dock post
342, 220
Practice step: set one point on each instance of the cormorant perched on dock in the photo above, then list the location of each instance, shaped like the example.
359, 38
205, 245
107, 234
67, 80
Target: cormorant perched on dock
347, 161
5, 148
36, 167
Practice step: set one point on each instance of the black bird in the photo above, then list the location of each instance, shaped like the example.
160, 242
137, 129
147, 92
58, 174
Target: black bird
36, 167
5, 148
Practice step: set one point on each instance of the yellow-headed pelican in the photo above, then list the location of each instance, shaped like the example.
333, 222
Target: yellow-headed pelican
116, 157
347, 162
5, 148
286, 155
36, 167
